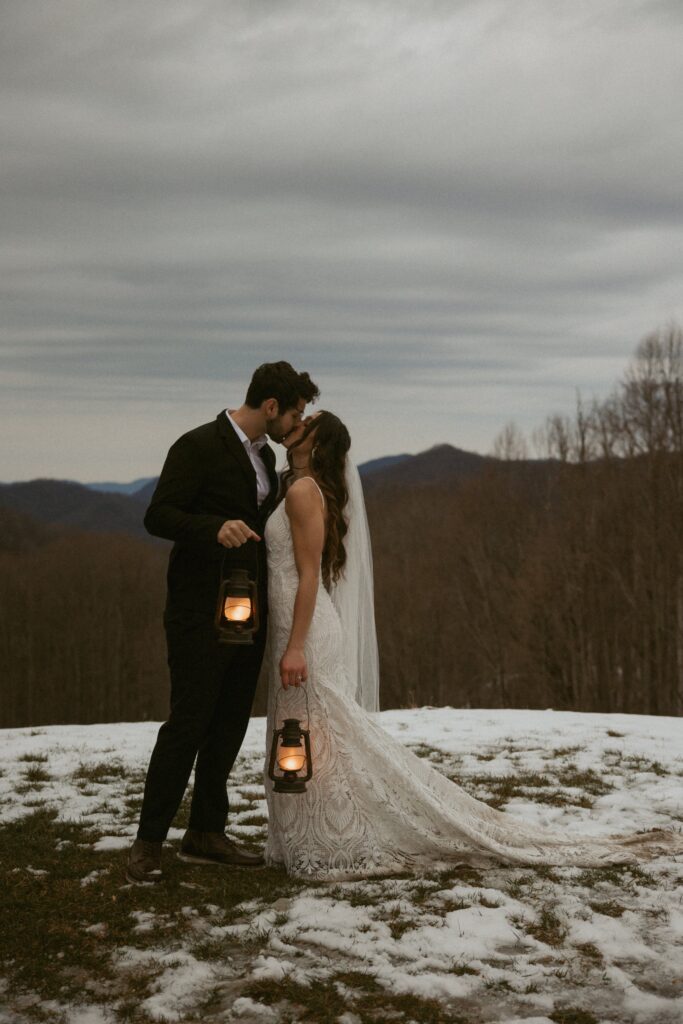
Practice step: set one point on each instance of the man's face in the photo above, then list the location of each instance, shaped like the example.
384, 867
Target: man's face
294, 437
279, 426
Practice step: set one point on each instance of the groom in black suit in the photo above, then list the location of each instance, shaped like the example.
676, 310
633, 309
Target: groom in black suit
215, 493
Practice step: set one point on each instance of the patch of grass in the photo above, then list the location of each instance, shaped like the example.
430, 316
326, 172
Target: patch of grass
538, 787
355, 896
609, 908
399, 925
324, 1002
516, 887
421, 750
35, 774
565, 751
251, 780
572, 1015
612, 759
42, 758
104, 808
461, 874
542, 788
548, 928
636, 763
212, 949
498, 985
102, 772
624, 876
254, 819
461, 969
421, 893
135, 782
547, 872
359, 980
48, 951
560, 799
138, 987
613, 732
453, 903
590, 952
587, 780
248, 942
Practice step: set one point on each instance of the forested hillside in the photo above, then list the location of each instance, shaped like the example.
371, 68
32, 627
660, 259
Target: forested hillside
511, 582
556, 584
80, 631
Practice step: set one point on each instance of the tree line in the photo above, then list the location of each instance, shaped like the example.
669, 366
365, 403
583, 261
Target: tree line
80, 629
555, 581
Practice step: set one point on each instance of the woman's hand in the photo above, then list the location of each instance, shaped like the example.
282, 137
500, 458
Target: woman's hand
293, 668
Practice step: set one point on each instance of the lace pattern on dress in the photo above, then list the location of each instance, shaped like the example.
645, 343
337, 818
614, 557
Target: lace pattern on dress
372, 806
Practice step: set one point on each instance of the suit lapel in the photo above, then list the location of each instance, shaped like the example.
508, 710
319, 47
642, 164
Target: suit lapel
236, 448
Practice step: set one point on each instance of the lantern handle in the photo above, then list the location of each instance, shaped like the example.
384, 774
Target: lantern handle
226, 551
308, 710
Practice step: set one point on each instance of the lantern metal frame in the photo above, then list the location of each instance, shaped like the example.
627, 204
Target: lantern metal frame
292, 734
238, 583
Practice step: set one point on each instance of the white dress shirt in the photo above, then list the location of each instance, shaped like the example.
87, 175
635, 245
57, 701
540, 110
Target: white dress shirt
252, 449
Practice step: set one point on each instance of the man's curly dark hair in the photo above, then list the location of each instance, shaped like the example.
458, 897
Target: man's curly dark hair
282, 382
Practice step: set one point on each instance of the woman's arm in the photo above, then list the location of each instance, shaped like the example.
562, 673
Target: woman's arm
307, 522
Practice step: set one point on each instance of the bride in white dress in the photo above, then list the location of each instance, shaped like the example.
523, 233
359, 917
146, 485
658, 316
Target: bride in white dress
372, 806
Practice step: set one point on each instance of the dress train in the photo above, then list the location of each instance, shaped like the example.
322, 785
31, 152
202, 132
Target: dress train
373, 807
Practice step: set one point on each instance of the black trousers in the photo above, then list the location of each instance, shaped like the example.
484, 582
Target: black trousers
212, 691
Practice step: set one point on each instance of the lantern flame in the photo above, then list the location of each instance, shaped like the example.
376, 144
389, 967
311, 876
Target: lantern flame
237, 609
291, 759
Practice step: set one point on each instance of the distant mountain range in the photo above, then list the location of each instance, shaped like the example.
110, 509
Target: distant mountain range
131, 488
67, 504
144, 486
426, 467
441, 464
107, 507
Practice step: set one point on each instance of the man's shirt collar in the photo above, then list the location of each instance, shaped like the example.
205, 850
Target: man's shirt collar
257, 443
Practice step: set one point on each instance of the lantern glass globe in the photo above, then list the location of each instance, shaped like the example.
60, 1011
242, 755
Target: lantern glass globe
291, 759
237, 609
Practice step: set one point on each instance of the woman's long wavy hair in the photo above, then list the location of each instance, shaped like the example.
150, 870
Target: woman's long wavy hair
328, 462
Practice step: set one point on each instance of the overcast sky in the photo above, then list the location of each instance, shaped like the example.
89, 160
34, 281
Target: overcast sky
452, 214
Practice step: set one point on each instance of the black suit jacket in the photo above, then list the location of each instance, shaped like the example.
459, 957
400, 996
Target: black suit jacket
207, 478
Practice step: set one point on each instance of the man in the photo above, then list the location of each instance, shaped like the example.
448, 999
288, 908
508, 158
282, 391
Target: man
215, 493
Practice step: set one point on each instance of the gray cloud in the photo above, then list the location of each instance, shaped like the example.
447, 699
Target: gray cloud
453, 214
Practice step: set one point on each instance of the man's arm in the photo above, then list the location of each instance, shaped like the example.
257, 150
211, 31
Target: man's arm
180, 481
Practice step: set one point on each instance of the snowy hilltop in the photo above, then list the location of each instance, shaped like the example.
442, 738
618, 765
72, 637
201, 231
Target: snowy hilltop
533, 945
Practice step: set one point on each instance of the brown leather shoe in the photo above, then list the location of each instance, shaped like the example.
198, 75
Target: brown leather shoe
144, 862
215, 848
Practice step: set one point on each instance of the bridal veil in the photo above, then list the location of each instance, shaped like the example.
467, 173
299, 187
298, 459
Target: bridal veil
353, 598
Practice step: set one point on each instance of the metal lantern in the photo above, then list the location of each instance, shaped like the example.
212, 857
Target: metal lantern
237, 616
291, 766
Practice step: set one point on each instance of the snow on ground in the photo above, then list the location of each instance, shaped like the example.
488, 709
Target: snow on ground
504, 946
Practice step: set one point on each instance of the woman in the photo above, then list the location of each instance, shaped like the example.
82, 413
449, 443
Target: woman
372, 807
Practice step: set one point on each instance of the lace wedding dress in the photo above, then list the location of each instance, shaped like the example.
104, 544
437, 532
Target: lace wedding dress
372, 806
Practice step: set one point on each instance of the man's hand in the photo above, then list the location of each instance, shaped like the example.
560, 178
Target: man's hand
293, 668
233, 533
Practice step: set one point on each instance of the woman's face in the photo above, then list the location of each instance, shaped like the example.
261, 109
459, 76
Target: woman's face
292, 439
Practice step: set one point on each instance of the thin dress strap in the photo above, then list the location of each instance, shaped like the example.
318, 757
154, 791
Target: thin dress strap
316, 484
